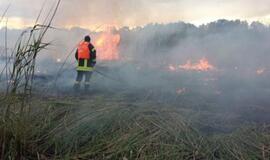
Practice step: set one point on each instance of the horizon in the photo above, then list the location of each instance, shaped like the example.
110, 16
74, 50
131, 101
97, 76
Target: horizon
133, 13
104, 27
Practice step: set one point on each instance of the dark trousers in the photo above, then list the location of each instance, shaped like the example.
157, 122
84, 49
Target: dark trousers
80, 75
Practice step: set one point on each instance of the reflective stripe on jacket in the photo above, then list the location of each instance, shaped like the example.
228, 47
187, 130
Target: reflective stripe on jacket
84, 65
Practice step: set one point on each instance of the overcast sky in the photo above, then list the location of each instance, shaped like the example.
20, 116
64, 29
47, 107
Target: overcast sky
92, 13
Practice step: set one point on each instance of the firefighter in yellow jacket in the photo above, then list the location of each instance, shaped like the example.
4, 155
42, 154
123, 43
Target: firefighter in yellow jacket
86, 57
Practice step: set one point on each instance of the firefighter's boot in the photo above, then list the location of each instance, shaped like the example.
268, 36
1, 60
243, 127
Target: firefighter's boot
77, 86
86, 86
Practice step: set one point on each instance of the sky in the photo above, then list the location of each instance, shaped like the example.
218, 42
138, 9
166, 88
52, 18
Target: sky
93, 13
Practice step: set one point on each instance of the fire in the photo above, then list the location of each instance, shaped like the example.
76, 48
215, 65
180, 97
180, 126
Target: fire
107, 44
172, 68
202, 65
181, 91
260, 71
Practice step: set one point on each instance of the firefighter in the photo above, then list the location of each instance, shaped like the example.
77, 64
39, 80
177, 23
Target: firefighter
86, 57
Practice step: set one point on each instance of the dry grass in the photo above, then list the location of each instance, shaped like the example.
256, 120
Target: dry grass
15, 107
113, 128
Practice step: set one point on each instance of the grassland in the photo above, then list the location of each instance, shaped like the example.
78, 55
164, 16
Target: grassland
125, 126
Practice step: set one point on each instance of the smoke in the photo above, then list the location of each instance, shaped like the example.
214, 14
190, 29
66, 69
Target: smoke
236, 49
238, 52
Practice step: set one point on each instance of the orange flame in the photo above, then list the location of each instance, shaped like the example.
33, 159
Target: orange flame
202, 65
260, 71
181, 91
107, 44
172, 68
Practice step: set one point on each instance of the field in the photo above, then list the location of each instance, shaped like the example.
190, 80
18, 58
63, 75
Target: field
136, 123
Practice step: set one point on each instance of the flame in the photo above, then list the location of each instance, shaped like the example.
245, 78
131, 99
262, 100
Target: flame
172, 68
202, 65
107, 44
260, 71
181, 91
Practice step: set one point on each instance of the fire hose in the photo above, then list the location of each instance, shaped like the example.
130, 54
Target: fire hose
96, 71
106, 76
